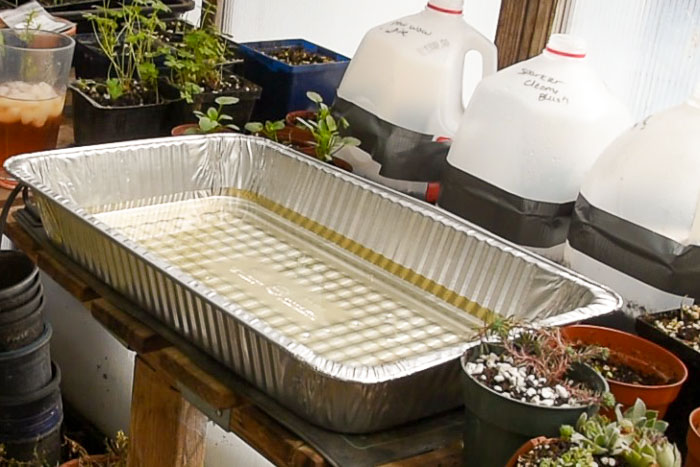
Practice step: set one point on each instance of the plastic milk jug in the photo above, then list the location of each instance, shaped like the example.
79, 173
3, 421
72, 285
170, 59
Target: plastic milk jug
403, 91
636, 224
528, 137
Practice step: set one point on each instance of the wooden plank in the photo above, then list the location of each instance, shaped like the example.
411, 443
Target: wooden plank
182, 369
136, 335
65, 278
523, 29
449, 456
271, 439
165, 429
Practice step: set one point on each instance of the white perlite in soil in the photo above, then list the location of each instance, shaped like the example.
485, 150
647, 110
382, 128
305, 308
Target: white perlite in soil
519, 383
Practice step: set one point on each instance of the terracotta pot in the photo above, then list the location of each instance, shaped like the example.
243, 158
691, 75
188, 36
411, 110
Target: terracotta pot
296, 136
101, 458
291, 118
182, 129
693, 440
639, 354
527, 447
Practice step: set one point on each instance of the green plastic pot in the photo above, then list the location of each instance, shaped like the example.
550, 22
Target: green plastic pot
496, 426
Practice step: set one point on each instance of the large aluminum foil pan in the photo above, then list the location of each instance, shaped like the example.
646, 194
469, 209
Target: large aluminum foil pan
347, 302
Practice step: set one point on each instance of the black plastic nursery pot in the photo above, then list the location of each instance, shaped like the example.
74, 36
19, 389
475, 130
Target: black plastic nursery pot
689, 397
182, 112
22, 298
496, 426
19, 278
95, 124
88, 59
285, 86
30, 424
28, 368
23, 325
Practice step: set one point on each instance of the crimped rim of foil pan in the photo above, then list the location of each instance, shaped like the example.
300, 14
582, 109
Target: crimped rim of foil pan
604, 299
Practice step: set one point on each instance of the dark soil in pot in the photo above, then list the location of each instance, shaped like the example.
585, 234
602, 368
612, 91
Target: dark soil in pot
136, 116
615, 368
298, 56
497, 425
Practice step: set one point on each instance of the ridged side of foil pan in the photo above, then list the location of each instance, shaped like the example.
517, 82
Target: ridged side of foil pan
455, 261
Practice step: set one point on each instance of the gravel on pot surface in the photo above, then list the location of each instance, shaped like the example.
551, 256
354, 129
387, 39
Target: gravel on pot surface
683, 325
520, 383
556, 449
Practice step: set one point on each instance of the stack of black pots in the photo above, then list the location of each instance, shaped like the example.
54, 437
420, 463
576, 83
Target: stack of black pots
31, 412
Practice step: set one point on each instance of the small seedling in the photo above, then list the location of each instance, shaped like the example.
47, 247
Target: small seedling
213, 120
326, 130
198, 62
268, 130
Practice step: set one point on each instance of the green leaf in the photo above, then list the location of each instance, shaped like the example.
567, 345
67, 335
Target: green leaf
226, 100
351, 141
193, 131
224, 118
314, 97
115, 88
278, 125
207, 125
212, 113
330, 124
198, 114
254, 127
233, 127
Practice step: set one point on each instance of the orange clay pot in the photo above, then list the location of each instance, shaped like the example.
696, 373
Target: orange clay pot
527, 447
639, 354
693, 440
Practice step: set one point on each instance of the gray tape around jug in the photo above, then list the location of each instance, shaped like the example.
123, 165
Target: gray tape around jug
636, 251
523, 221
403, 154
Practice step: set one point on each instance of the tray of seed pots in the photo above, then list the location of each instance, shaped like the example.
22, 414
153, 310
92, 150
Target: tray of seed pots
521, 382
129, 102
633, 438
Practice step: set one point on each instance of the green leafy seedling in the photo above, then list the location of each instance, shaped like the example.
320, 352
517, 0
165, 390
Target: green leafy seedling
326, 130
214, 119
268, 130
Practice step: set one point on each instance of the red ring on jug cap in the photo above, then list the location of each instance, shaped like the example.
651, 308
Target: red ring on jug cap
444, 10
566, 45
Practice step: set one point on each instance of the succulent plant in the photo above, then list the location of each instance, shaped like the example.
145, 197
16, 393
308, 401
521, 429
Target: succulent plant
636, 436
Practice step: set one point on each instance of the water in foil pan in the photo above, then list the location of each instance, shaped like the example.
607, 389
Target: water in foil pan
347, 302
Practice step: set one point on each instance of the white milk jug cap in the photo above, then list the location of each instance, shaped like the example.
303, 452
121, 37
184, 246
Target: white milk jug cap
566, 45
454, 7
